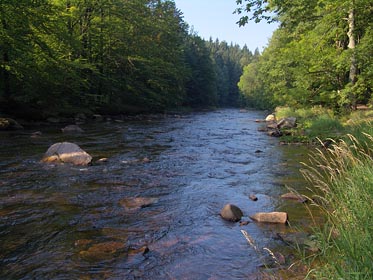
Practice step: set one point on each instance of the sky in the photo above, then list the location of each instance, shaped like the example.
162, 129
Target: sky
215, 18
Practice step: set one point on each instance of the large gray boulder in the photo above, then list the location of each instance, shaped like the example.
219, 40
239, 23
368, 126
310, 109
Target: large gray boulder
231, 213
287, 123
66, 152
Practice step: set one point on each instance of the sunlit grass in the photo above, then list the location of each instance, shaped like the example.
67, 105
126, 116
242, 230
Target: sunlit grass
343, 177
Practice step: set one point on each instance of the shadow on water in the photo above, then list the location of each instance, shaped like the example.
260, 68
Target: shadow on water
65, 222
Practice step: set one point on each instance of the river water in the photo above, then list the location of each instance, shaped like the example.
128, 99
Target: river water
65, 222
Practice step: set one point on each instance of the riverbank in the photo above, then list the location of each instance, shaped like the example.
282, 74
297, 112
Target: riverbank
341, 177
320, 124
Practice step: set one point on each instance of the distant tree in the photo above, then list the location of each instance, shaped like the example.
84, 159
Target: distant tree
201, 83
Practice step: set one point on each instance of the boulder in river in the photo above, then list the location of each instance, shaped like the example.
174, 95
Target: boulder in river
72, 128
66, 152
231, 213
271, 217
9, 124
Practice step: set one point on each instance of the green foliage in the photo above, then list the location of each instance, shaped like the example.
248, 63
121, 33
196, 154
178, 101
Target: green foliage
309, 58
111, 56
344, 179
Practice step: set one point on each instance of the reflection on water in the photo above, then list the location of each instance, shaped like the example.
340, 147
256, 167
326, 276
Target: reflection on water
152, 210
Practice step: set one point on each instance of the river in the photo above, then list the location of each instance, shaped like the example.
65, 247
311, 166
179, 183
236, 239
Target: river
65, 222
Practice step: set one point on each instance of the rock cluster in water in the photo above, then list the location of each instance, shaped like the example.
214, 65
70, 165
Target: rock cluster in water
278, 128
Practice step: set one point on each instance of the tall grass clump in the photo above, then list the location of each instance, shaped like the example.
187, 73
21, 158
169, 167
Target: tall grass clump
343, 181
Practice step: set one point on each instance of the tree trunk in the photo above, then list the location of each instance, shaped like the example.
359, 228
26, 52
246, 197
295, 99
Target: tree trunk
351, 45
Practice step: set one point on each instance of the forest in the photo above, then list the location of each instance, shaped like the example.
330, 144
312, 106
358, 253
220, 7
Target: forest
60, 57
321, 54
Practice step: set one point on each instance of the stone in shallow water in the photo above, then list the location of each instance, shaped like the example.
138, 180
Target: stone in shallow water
294, 196
137, 202
138, 251
9, 124
271, 217
253, 197
231, 213
72, 128
102, 251
299, 239
66, 152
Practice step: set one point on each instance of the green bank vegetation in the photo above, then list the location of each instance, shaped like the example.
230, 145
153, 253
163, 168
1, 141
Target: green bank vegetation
319, 123
321, 55
318, 67
343, 180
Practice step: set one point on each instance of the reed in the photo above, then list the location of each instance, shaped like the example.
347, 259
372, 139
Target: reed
342, 177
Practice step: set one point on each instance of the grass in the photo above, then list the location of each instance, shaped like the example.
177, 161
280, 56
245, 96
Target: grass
318, 122
343, 177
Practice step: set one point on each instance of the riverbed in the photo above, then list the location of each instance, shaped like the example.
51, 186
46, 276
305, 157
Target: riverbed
69, 222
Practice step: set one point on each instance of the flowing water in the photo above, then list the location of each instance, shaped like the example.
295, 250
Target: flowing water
66, 222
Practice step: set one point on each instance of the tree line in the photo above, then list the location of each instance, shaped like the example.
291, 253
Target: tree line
321, 54
110, 56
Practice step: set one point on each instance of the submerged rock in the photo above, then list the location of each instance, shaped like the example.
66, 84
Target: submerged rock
66, 152
9, 124
137, 202
72, 128
271, 217
102, 251
138, 251
253, 197
294, 196
299, 239
231, 213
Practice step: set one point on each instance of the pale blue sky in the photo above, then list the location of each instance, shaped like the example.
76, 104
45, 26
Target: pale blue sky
215, 18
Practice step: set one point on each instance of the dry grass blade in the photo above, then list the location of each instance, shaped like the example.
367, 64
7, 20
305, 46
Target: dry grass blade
249, 239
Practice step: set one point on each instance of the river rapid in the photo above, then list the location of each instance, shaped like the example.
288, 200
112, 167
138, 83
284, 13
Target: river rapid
68, 222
